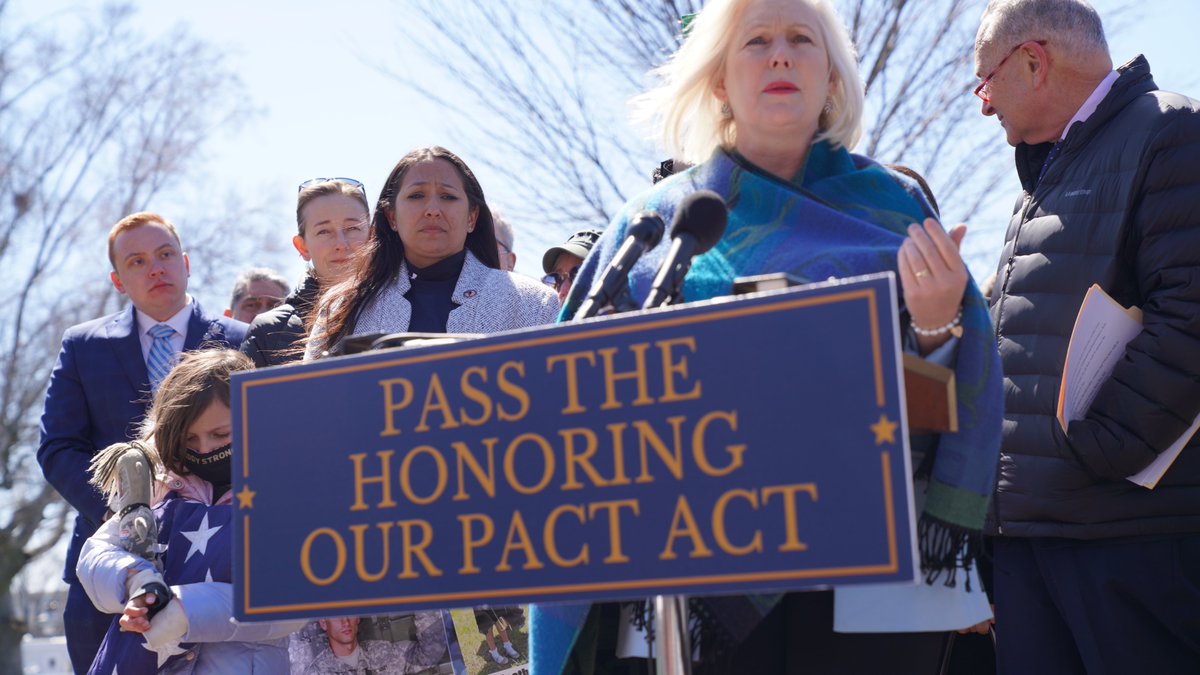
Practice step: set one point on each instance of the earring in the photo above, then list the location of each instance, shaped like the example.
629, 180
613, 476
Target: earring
726, 111
828, 106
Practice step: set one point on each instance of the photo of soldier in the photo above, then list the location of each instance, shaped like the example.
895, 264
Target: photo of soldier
413, 644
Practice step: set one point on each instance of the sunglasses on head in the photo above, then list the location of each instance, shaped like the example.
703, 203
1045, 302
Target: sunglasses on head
557, 280
348, 181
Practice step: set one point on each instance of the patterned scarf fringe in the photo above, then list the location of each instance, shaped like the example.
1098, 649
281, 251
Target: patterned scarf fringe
945, 549
705, 628
642, 617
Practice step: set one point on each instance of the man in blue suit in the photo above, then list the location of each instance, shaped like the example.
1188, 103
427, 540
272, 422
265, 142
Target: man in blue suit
104, 380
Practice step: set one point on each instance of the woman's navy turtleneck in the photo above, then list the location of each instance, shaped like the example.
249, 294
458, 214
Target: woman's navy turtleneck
431, 293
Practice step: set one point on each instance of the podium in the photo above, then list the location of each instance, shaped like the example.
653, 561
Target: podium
747, 444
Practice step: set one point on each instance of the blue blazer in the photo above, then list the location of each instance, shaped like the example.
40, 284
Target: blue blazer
99, 392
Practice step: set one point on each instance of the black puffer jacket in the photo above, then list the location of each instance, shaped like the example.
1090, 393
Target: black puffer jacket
1118, 207
274, 336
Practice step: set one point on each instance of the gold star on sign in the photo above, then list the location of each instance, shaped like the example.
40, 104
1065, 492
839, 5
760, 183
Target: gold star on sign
246, 498
885, 430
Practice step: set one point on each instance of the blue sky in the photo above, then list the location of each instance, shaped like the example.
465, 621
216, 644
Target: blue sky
324, 110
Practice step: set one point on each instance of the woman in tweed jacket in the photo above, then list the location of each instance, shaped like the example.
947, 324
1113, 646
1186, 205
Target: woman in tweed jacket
431, 265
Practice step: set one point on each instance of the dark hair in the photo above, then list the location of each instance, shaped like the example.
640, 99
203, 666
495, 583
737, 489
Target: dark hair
200, 378
380, 258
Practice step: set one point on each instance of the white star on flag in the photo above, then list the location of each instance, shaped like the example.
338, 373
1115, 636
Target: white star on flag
199, 538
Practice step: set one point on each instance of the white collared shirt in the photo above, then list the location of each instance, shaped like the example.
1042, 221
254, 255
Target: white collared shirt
1089, 106
178, 321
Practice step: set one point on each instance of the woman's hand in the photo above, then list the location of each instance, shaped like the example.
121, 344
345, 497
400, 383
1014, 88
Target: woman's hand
934, 277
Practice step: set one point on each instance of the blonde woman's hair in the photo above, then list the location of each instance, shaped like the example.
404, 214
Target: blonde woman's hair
686, 111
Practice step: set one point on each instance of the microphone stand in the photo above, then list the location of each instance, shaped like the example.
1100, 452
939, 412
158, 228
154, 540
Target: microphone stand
673, 648
621, 302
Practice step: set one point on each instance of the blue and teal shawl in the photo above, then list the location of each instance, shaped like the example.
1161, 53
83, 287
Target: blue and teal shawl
844, 215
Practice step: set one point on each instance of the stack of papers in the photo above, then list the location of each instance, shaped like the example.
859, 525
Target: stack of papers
1102, 330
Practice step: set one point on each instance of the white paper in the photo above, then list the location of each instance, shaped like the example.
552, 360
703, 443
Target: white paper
910, 608
1149, 476
1102, 330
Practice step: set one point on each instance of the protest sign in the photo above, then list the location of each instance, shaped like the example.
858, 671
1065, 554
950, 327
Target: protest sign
735, 445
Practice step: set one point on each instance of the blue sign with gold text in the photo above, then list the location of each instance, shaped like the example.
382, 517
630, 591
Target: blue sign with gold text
743, 444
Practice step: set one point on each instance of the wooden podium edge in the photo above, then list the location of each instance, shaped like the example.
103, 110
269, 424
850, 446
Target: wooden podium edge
931, 395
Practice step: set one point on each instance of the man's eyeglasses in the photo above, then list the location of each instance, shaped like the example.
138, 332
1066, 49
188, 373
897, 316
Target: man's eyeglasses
260, 303
557, 280
504, 246
983, 91
348, 181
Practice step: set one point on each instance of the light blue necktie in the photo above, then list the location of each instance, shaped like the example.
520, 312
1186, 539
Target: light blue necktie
161, 357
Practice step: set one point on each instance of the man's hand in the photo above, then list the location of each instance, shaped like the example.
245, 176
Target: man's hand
983, 627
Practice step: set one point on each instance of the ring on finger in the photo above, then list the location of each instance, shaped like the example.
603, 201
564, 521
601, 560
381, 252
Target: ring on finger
923, 272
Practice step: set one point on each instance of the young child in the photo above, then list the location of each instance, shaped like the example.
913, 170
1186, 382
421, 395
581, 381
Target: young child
186, 438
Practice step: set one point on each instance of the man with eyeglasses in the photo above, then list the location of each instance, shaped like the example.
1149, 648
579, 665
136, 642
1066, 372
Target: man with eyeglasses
561, 263
504, 243
255, 291
1094, 573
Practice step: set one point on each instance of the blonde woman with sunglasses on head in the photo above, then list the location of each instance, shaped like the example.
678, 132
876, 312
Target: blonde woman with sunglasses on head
333, 222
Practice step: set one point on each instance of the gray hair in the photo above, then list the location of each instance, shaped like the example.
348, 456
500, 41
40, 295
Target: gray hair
504, 230
687, 111
1073, 25
242, 285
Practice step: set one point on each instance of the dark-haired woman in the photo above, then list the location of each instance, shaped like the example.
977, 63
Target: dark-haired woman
431, 264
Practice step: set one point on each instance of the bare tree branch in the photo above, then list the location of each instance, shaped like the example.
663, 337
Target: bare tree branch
96, 121
554, 78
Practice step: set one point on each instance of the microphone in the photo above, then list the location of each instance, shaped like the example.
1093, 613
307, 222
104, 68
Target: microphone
644, 232
698, 225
